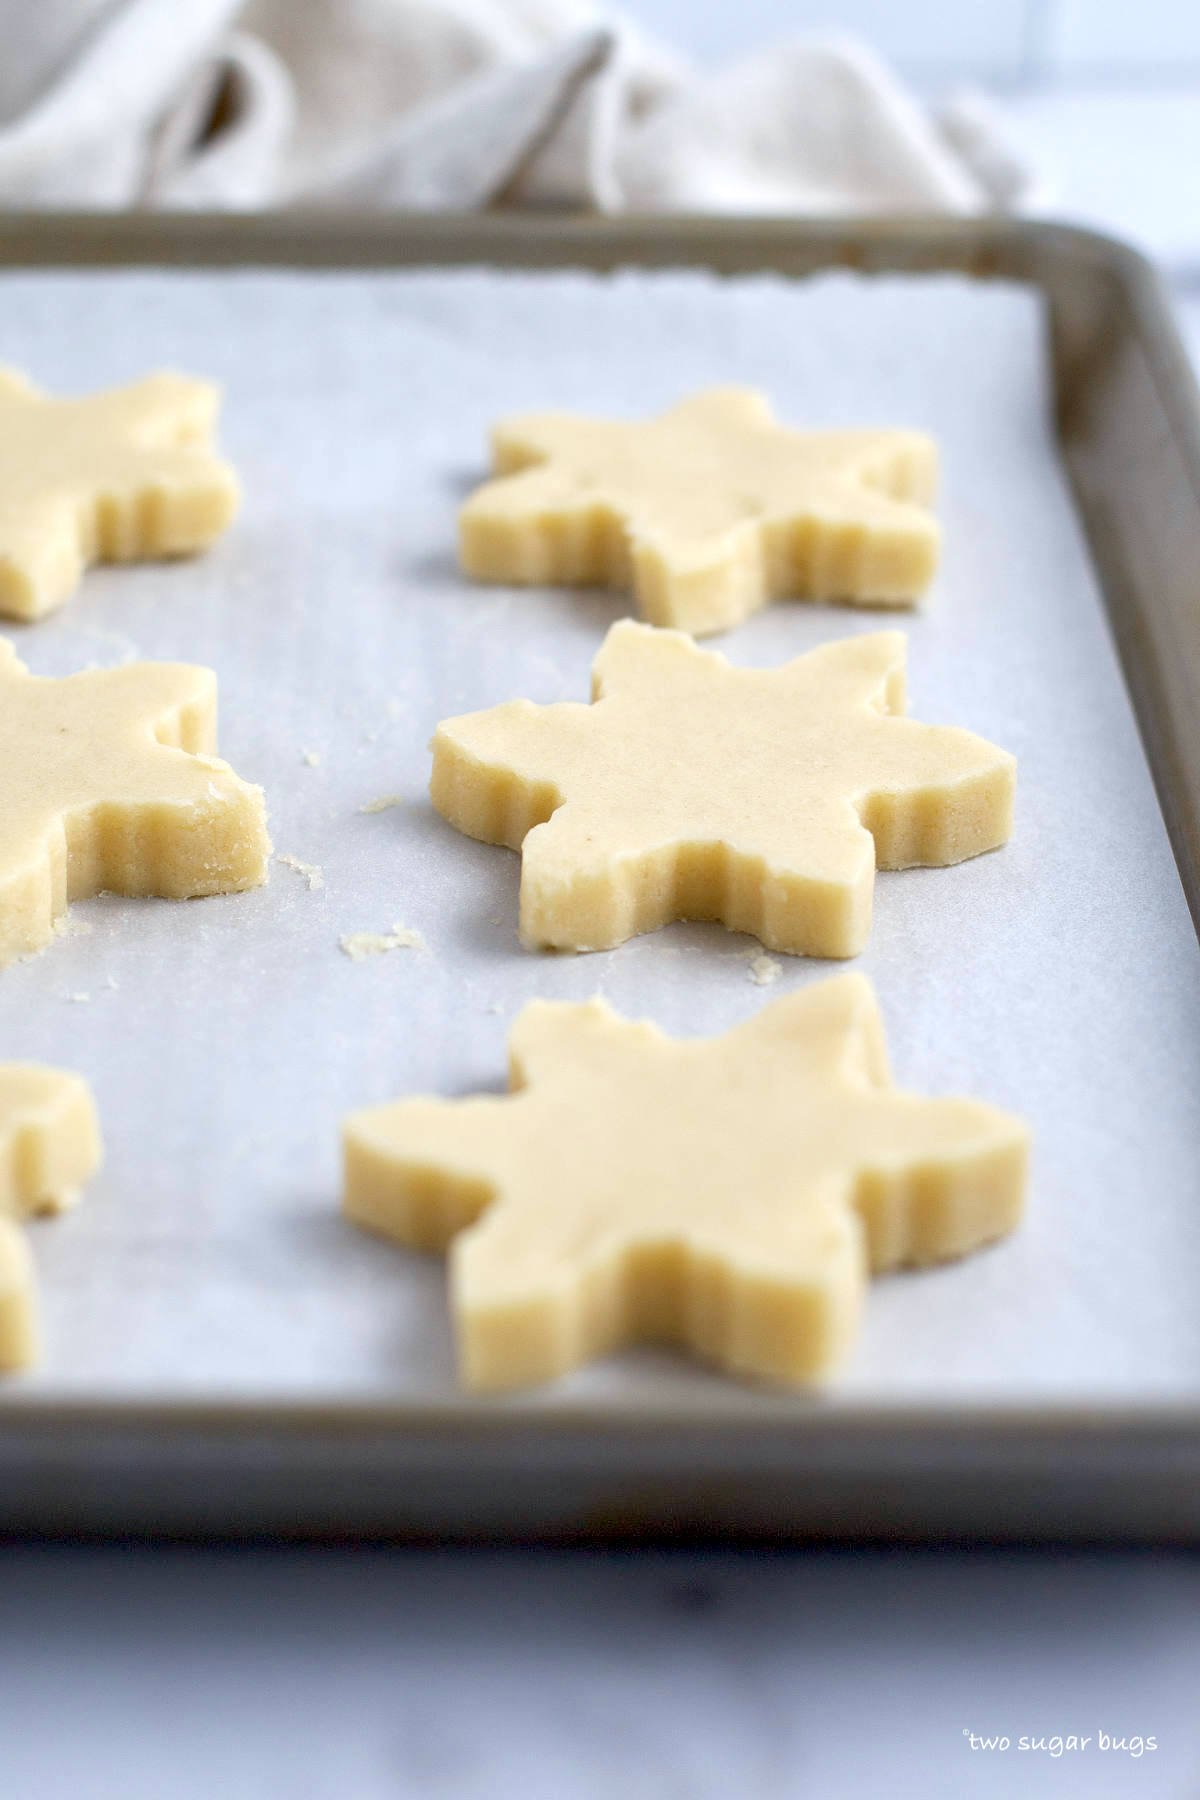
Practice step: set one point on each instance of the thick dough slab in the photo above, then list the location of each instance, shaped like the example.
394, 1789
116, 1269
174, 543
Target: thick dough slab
689, 789
731, 1195
107, 782
115, 477
707, 512
49, 1147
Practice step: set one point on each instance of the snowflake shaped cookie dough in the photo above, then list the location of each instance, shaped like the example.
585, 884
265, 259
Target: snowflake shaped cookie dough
690, 789
115, 477
732, 1195
49, 1147
708, 512
107, 782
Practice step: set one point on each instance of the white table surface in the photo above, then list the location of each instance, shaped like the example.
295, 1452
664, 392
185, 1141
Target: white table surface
371, 1674
134, 1674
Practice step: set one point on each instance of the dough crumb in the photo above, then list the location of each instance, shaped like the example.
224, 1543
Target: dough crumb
79, 999
312, 872
70, 926
358, 945
395, 709
127, 651
311, 758
764, 969
382, 803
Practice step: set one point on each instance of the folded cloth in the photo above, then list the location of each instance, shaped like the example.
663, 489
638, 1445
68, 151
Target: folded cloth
460, 104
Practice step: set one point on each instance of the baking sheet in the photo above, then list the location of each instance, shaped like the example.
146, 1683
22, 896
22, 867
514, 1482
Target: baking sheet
226, 1038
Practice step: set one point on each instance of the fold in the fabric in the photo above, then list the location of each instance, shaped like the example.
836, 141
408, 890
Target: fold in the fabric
458, 105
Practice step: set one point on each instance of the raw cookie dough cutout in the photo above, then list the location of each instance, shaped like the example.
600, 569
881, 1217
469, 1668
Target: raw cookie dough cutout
115, 477
707, 512
49, 1147
107, 782
690, 789
731, 1195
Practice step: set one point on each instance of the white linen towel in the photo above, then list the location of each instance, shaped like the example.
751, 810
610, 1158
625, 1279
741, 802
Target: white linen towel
461, 104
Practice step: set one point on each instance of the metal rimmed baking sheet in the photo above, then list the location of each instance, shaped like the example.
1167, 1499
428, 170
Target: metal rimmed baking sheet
208, 1284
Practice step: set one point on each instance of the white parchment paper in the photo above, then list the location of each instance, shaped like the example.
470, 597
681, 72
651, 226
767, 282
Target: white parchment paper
226, 1038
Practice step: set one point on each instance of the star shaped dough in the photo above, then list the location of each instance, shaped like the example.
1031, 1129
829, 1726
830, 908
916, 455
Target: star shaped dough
115, 477
732, 1195
707, 512
49, 1147
107, 782
689, 789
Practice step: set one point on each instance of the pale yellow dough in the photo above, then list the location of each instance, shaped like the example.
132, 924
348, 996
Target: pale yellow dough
731, 1195
707, 512
18, 1300
107, 781
690, 789
49, 1147
115, 477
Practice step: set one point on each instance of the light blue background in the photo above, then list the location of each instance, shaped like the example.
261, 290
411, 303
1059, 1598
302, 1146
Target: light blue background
1008, 41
